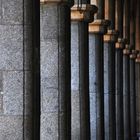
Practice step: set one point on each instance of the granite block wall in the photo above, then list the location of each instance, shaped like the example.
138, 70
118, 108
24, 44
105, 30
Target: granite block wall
15, 69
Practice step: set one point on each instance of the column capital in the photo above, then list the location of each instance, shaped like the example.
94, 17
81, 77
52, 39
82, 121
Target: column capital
133, 54
120, 44
138, 58
127, 50
111, 36
83, 13
68, 2
99, 26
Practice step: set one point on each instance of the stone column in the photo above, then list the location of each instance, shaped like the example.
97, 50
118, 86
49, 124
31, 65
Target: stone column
15, 69
133, 56
80, 17
138, 95
126, 71
96, 31
126, 93
119, 70
137, 41
109, 72
119, 89
55, 70
132, 71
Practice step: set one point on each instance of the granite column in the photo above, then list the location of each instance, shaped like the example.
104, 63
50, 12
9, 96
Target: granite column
137, 43
126, 71
133, 56
80, 17
109, 72
96, 43
119, 70
55, 70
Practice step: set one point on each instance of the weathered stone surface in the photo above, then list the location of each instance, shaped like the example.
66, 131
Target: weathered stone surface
93, 115
11, 128
49, 126
13, 93
0, 11
11, 45
49, 58
13, 105
106, 68
106, 115
1, 103
12, 12
13, 82
11, 56
1, 82
75, 116
74, 57
50, 100
49, 22
92, 76
11, 33
49, 82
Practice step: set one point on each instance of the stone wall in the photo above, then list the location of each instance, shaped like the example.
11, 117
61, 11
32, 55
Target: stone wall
15, 69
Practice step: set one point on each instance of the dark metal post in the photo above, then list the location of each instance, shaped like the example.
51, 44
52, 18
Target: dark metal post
109, 72
80, 43
96, 31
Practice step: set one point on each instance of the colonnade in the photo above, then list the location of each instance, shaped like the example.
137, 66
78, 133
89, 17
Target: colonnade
90, 70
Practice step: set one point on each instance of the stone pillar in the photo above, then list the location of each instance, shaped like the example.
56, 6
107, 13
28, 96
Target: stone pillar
55, 70
80, 70
96, 31
109, 72
126, 71
119, 89
132, 71
133, 94
138, 95
137, 41
126, 92
15, 69
119, 70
